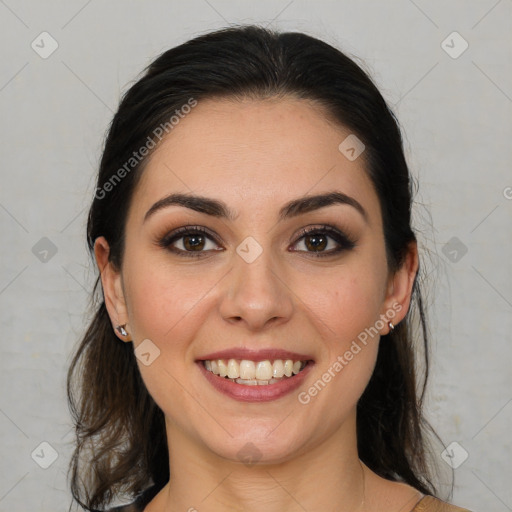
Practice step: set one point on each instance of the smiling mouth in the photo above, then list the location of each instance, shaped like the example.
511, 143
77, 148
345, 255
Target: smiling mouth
255, 373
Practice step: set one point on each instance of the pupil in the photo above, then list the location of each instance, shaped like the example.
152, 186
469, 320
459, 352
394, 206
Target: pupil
317, 242
193, 241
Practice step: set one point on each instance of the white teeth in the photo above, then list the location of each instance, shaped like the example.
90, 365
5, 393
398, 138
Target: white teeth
233, 369
264, 370
247, 369
254, 382
251, 373
223, 369
250, 382
278, 369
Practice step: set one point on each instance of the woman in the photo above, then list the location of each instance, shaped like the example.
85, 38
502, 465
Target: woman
253, 347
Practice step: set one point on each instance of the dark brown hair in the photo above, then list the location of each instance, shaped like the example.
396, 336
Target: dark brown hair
121, 442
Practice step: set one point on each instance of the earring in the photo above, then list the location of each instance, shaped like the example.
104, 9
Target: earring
121, 330
391, 327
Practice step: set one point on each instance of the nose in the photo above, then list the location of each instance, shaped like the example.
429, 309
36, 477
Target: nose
256, 294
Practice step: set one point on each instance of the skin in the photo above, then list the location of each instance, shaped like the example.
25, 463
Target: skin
257, 155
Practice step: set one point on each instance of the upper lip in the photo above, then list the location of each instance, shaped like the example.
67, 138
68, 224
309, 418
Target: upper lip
255, 355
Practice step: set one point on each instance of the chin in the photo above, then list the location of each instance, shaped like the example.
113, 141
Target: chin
263, 443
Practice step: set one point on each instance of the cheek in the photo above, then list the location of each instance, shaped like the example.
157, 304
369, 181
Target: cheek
164, 306
346, 308
346, 302
354, 311
161, 301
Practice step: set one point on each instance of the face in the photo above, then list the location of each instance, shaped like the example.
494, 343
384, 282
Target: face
258, 272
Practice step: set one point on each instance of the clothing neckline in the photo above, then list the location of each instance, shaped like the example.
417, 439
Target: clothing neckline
147, 495
418, 503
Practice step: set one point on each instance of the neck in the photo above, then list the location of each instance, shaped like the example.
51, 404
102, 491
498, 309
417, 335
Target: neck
328, 476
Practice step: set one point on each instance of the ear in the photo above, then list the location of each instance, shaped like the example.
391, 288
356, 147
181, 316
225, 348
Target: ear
112, 287
399, 288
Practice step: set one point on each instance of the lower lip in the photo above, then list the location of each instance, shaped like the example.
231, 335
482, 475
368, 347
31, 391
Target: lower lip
257, 393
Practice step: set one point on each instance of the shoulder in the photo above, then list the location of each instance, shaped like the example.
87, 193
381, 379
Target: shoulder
431, 504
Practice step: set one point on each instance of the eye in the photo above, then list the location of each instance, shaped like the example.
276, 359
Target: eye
189, 241
323, 241
196, 241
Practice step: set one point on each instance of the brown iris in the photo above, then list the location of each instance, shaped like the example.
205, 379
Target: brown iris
193, 242
316, 242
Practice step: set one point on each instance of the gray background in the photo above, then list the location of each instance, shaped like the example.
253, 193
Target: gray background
456, 115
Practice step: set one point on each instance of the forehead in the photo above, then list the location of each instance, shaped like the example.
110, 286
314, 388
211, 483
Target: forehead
253, 154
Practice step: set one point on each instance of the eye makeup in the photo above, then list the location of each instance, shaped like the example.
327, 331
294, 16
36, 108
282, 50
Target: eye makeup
194, 239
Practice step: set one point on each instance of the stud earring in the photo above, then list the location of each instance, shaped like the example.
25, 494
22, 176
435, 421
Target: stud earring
391, 327
121, 330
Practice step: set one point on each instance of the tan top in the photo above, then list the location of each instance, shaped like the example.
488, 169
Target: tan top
431, 504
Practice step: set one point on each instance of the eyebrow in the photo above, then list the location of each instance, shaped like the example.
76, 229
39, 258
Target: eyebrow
294, 208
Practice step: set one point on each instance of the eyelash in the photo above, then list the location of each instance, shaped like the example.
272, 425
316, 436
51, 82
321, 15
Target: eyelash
344, 242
